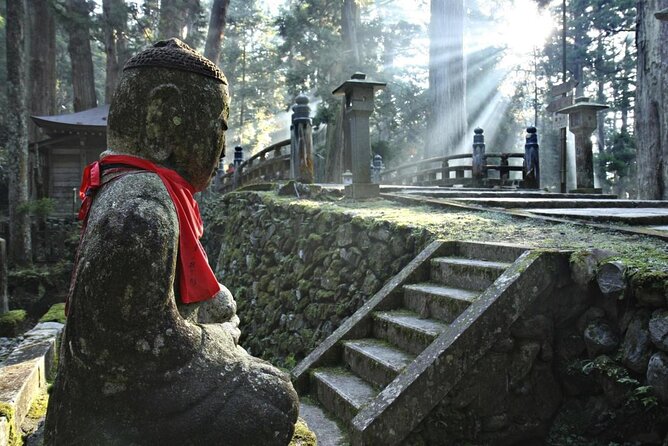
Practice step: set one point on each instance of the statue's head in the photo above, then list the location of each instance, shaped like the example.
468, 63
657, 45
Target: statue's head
171, 107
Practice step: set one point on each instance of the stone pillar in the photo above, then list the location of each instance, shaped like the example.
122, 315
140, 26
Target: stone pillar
478, 162
238, 160
359, 97
531, 166
301, 144
4, 299
582, 123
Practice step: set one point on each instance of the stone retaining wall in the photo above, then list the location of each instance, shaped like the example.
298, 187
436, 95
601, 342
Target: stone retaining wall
593, 355
298, 271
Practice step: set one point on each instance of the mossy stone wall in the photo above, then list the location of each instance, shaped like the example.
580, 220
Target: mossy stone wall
298, 271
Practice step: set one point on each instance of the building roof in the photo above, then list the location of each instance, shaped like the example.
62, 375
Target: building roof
90, 121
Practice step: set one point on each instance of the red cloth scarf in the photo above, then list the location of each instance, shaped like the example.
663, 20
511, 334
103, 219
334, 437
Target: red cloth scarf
196, 279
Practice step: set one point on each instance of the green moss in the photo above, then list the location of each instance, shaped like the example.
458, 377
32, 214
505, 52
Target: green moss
303, 435
38, 408
7, 412
55, 314
11, 322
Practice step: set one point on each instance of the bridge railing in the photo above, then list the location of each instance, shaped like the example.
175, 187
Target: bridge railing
471, 169
270, 164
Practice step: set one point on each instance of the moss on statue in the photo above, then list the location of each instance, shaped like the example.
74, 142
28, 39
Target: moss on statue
55, 314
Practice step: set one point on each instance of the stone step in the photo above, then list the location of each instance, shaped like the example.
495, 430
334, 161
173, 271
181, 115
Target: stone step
23, 374
374, 360
406, 329
341, 392
469, 274
496, 252
437, 301
327, 431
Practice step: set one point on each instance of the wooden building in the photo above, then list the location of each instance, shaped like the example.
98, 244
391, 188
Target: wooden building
72, 141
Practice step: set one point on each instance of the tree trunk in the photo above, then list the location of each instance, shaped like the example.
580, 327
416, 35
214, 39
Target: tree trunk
114, 16
214, 37
652, 101
17, 139
42, 82
83, 80
447, 78
350, 17
172, 19
42, 75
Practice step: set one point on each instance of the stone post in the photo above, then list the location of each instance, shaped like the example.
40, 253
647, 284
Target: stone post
238, 160
582, 123
531, 165
4, 300
359, 97
376, 168
301, 141
478, 171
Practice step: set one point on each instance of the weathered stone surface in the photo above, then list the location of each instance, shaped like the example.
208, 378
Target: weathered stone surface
636, 348
588, 316
657, 375
132, 369
658, 329
600, 338
650, 297
585, 264
611, 278
538, 327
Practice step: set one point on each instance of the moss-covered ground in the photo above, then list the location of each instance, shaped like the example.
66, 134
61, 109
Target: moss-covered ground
642, 252
55, 314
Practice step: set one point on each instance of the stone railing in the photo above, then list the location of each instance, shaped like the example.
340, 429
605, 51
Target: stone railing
471, 169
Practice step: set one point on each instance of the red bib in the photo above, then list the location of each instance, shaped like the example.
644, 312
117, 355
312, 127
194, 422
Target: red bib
196, 279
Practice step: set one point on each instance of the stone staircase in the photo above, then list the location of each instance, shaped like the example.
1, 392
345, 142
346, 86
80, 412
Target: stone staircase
380, 373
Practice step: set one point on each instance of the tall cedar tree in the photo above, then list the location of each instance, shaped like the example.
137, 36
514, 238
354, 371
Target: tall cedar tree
83, 80
214, 37
115, 23
651, 116
17, 142
447, 78
42, 78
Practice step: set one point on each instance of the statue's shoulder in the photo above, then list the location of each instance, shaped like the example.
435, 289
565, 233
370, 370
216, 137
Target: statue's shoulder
134, 201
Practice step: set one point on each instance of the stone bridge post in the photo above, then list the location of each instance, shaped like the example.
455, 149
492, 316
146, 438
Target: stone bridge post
478, 171
531, 165
238, 160
301, 141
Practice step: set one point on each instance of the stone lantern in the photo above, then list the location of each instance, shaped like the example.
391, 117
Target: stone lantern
359, 97
582, 123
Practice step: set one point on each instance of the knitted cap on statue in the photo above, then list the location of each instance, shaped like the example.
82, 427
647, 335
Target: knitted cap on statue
137, 366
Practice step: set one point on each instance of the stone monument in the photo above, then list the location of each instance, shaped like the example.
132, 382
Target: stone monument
138, 365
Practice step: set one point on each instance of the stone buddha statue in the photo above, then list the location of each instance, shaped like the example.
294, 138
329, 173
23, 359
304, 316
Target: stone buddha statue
150, 352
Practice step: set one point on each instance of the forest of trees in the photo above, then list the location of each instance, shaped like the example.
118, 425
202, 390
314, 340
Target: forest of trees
60, 56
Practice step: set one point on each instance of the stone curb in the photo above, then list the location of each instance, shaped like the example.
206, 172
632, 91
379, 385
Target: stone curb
24, 372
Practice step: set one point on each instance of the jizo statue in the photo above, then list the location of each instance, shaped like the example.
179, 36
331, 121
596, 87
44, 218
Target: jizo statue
149, 354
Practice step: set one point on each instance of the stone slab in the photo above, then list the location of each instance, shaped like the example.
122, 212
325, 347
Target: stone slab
636, 216
548, 203
358, 191
326, 430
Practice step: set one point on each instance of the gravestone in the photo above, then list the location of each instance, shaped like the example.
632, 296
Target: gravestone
137, 365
